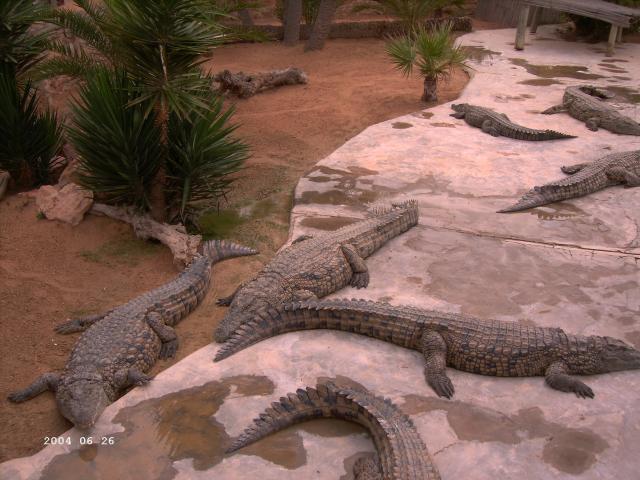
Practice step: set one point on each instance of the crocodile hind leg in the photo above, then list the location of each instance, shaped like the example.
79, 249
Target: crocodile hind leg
226, 301
367, 469
487, 127
79, 324
167, 335
571, 169
360, 276
623, 175
434, 349
129, 377
558, 378
48, 381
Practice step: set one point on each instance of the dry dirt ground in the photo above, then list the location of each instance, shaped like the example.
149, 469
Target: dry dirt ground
50, 271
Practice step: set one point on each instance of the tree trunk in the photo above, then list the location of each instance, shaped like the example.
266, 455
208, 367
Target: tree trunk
429, 92
157, 195
182, 245
245, 85
322, 25
4, 182
292, 16
245, 17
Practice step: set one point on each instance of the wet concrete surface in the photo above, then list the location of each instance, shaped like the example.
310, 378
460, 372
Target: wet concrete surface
573, 265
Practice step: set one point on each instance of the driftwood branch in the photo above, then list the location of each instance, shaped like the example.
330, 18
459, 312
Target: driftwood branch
182, 245
245, 85
4, 182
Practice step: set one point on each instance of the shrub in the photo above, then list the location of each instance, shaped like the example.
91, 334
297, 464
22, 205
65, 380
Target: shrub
29, 139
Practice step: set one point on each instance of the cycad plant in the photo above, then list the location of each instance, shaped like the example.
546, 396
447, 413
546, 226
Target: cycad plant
161, 46
29, 138
412, 13
433, 52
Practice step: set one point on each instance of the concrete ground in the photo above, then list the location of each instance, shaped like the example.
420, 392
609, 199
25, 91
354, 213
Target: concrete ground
573, 265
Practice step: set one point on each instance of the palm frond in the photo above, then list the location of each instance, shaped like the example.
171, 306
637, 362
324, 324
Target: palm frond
403, 54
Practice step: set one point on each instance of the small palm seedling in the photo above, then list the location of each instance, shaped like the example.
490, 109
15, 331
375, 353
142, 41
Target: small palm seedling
433, 52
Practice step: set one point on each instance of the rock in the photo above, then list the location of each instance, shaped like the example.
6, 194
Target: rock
67, 204
68, 174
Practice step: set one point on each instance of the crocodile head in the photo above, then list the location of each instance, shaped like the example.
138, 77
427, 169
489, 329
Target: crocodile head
459, 107
82, 401
616, 355
627, 126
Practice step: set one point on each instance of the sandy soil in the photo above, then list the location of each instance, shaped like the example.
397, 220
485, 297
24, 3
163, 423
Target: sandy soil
50, 272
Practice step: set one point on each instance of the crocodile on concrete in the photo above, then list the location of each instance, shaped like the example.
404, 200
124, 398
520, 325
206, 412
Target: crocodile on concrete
485, 347
585, 103
313, 267
119, 346
585, 178
498, 124
402, 455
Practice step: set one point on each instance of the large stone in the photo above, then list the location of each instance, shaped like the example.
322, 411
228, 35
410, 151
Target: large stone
67, 204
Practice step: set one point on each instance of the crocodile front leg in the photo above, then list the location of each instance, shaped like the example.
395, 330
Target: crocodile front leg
367, 469
434, 349
459, 115
167, 335
593, 123
572, 169
487, 127
302, 238
360, 277
558, 378
79, 324
555, 109
622, 175
130, 377
48, 381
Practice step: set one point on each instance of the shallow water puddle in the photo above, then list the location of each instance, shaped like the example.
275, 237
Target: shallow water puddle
570, 450
401, 125
554, 71
345, 191
162, 430
479, 53
540, 82
328, 223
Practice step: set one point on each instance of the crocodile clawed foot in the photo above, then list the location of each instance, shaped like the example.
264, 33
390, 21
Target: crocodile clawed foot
169, 349
360, 280
224, 301
582, 390
442, 385
17, 397
142, 379
72, 326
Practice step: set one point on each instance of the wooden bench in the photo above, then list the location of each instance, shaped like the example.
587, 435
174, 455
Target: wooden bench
618, 16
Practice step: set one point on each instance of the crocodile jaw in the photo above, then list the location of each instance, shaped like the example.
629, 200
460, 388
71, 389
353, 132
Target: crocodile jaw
617, 356
82, 402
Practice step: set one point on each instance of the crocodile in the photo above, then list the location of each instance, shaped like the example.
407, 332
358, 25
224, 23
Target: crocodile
583, 179
485, 347
585, 103
312, 267
119, 346
401, 453
498, 124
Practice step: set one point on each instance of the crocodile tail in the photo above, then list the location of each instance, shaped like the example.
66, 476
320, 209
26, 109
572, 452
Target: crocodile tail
553, 135
402, 452
379, 209
531, 199
218, 250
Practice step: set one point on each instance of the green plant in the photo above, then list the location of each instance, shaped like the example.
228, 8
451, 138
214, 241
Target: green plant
118, 144
202, 155
29, 139
433, 52
20, 47
411, 13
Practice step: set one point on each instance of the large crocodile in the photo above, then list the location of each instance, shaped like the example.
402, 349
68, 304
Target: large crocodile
486, 347
583, 179
402, 455
119, 346
498, 124
315, 267
585, 103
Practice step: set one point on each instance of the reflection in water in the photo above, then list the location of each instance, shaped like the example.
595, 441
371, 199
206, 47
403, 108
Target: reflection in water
553, 71
558, 211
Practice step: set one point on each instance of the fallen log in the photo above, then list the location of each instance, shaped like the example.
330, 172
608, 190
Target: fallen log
182, 245
246, 85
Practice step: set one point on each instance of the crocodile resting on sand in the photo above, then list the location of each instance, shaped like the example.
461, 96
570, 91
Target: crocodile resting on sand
585, 178
485, 347
313, 267
585, 103
119, 346
402, 455
498, 124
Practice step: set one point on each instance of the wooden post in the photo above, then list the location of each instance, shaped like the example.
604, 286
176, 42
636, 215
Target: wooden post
522, 27
535, 19
619, 39
613, 34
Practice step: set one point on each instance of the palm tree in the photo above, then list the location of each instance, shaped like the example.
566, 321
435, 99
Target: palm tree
291, 19
160, 44
432, 52
410, 12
